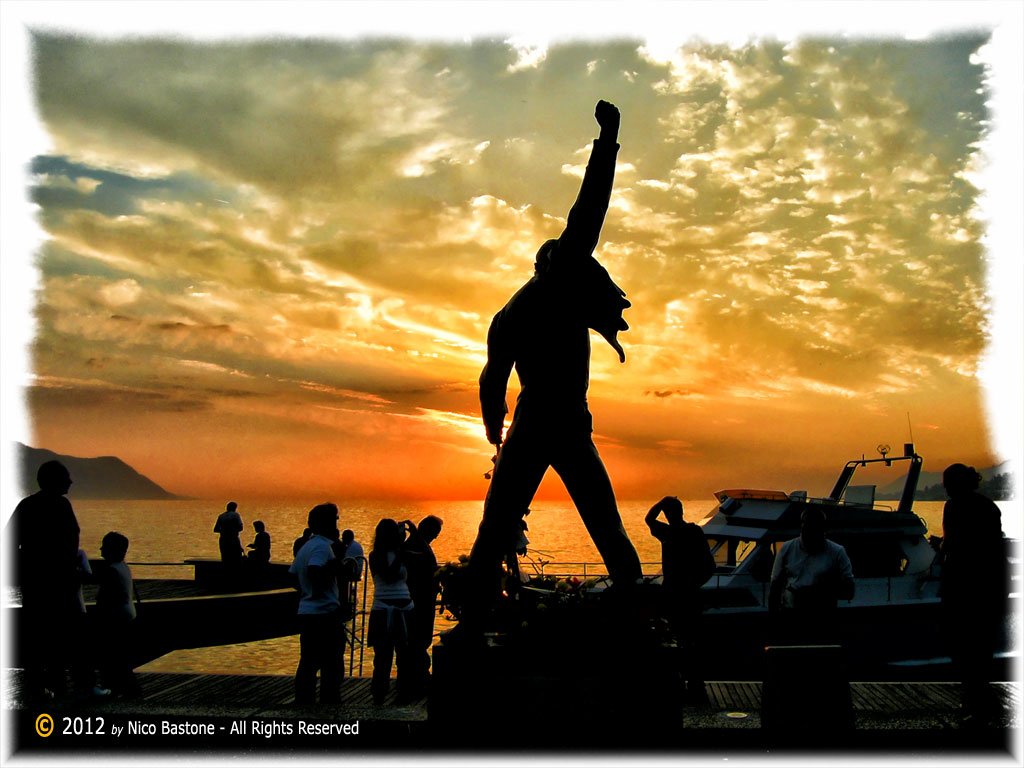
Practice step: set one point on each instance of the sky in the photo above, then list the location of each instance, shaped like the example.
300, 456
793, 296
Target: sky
267, 263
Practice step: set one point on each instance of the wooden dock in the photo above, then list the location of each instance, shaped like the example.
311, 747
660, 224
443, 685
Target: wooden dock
914, 717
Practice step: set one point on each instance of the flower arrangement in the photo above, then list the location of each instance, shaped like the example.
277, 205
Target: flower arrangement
452, 579
537, 606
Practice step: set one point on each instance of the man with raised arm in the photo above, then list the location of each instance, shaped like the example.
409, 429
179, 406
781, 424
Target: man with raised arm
686, 565
543, 332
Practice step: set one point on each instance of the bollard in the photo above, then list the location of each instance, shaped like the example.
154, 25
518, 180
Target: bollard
806, 692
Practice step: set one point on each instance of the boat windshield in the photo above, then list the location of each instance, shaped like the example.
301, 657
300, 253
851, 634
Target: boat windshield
743, 556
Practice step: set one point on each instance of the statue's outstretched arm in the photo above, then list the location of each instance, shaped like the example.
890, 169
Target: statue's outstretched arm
586, 217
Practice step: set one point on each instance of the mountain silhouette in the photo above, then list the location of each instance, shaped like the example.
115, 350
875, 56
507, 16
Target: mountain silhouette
929, 479
103, 477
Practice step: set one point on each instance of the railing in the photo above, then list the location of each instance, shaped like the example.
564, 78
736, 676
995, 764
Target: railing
749, 583
352, 638
135, 565
581, 569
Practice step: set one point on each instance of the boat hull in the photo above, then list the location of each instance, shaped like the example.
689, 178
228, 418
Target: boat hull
880, 642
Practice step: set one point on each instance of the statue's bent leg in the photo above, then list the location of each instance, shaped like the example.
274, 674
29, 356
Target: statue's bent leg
581, 469
521, 465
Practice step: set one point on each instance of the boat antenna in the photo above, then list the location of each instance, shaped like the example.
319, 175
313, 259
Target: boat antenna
908, 449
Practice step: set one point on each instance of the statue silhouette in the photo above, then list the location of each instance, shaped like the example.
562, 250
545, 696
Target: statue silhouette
543, 332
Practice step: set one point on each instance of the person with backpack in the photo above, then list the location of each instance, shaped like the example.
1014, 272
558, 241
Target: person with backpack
686, 564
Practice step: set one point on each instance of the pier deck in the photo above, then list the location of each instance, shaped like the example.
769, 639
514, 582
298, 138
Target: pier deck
913, 716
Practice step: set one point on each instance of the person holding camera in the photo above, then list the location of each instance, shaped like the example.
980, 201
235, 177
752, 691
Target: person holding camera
391, 613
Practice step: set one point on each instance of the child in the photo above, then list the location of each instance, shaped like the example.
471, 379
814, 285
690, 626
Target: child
83, 660
115, 616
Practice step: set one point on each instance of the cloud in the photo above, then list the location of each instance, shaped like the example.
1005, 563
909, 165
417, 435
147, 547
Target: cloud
529, 55
336, 223
284, 117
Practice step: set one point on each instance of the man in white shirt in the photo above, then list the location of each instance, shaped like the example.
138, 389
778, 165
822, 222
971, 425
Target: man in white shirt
321, 626
810, 575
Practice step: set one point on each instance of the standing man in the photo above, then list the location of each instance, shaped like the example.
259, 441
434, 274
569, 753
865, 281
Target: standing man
421, 565
973, 587
543, 331
229, 526
321, 623
46, 536
810, 575
354, 552
686, 564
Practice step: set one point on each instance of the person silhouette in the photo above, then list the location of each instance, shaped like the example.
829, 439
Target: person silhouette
686, 565
354, 552
543, 332
229, 525
115, 616
973, 586
809, 577
260, 545
391, 611
423, 586
320, 619
350, 571
297, 544
46, 545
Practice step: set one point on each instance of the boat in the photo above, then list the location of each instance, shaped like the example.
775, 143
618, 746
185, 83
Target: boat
892, 626
891, 555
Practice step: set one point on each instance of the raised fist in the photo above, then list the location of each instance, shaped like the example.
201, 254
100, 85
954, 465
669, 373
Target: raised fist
607, 115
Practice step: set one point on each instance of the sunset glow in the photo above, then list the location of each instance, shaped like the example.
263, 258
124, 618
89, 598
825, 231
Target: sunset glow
271, 264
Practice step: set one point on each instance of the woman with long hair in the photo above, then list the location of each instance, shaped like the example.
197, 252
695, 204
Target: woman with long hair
392, 607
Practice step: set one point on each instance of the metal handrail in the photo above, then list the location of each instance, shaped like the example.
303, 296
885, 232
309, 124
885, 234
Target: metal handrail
180, 565
715, 582
589, 569
353, 603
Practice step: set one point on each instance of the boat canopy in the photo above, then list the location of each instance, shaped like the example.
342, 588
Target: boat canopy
750, 493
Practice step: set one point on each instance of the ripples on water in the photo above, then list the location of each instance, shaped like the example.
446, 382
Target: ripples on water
168, 532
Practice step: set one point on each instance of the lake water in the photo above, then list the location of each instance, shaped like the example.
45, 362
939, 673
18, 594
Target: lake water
164, 533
